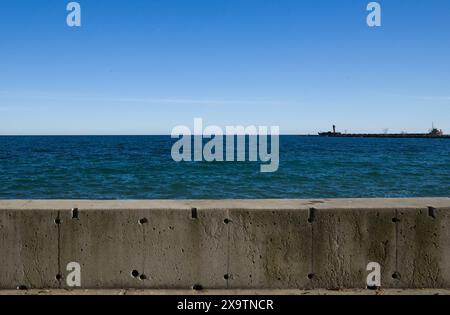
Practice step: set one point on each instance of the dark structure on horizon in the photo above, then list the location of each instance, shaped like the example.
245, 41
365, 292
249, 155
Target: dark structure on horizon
433, 134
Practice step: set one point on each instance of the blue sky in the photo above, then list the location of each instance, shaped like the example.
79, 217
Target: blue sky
143, 67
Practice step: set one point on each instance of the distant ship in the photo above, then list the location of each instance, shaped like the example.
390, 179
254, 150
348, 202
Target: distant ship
433, 134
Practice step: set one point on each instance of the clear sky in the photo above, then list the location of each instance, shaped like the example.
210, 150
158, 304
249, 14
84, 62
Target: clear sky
143, 67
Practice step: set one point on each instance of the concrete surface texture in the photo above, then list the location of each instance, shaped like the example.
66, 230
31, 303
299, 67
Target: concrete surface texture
225, 245
228, 292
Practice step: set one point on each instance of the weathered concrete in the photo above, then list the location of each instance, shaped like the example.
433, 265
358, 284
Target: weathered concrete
104, 243
423, 248
167, 248
345, 241
28, 249
147, 292
183, 251
229, 244
269, 249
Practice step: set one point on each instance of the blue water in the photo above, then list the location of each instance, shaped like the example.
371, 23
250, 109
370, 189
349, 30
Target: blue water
140, 167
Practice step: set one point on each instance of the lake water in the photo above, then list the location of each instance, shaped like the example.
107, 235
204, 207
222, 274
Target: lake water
141, 167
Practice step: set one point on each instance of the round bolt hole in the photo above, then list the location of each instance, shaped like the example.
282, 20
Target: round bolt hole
197, 287
396, 276
57, 221
143, 221
58, 277
226, 221
226, 277
311, 276
135, 273
143, 277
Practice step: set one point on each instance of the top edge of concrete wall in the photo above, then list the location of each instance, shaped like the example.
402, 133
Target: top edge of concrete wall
250, 204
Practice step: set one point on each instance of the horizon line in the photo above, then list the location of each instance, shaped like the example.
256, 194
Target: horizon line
135, 135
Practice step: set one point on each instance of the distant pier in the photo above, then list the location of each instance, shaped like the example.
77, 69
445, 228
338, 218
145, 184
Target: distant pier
433, 134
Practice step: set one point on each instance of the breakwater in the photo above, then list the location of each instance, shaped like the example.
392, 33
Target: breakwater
229, 244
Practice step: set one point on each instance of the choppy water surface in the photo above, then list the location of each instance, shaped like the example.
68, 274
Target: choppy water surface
140, 167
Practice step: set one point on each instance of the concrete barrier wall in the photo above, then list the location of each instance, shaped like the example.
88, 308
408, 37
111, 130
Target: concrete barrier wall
252, 244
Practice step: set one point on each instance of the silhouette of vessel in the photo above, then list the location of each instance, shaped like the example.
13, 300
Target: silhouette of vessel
434, 133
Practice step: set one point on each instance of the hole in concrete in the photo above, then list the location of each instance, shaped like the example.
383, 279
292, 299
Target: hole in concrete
374, 288
197, 287
432, 212
396, 276
22, 288
58, 221
226, 277
226, 221
143, 277
311, 276
312, 215
135, 273
395, 220
75, 213
143, 221
194, 213
58, 277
